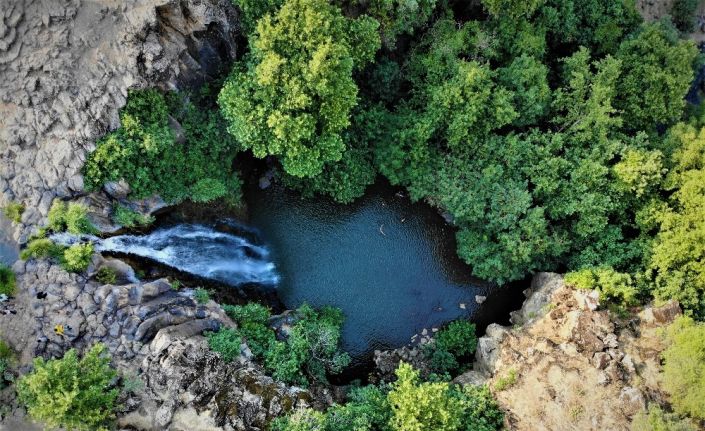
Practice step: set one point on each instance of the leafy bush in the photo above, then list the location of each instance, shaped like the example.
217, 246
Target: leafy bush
684, 367
615, 287
42, 248
226, 342
656, 419
129, 218
311, 350
71, 217
367, 409
70, 392
302, 419
418, 406
7, 280
458, 338
7, 360
77, 257
252, 321
201, 295
13, 211
106, 275
683, 14
166, 145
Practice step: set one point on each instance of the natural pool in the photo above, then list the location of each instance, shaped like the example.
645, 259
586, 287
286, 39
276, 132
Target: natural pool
390, 265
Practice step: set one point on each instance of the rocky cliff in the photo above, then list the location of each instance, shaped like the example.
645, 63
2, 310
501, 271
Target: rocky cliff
65, 70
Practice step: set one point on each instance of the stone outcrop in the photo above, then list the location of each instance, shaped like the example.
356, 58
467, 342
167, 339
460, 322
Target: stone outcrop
191, 388
567, 364
65, 69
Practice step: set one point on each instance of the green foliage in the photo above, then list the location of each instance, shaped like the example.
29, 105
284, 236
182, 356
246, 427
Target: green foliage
599, 25
398, 17
418, 406
458, 338
452, 344
77, 257
293, 95
7, 280
226, 342
166, 145
514, 9
684, 367
683, 14
677, 258
13, 211
7, 360
303, 419
42, 248
656, 419
253, 10
506, 382
311, 350
70, 392
252, 320
528, 79
106, 275
71, 217
129, 218
367, 409
615, 287
657, 72
201, 295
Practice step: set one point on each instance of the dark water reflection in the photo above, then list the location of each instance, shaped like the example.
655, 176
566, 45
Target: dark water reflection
390, 265
8, 247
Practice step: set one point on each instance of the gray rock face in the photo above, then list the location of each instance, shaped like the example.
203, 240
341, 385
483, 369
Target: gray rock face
538, 296
65, 69
191, 388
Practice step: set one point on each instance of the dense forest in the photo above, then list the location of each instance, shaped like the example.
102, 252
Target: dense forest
555, 136
554, 133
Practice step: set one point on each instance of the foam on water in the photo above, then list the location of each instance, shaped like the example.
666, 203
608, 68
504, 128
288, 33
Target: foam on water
194, 248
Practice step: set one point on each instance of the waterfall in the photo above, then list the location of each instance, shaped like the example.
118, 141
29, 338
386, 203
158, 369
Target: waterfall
193, 248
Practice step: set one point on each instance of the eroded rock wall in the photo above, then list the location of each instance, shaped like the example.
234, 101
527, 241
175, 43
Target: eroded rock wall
66, 67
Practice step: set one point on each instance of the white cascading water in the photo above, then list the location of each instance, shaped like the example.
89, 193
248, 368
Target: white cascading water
193, 248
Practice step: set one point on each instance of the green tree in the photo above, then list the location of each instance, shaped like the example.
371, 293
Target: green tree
293, 96
166, 145
513, 8
420, 406
657, 69
70, 392
311, 350
528, 79
677, 258
684, 367
683, 14
77, 257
